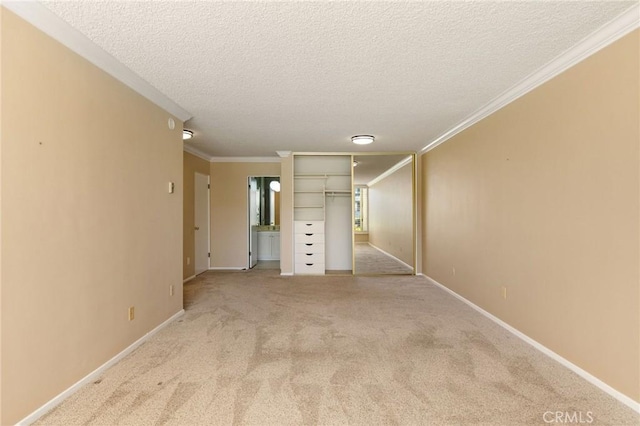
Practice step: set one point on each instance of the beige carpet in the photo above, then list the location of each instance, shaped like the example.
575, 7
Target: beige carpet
255, 348
370, 261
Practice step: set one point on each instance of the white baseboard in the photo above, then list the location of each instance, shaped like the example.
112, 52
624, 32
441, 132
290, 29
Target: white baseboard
94, 374
390, 255
634, 405
186, 280
286, 274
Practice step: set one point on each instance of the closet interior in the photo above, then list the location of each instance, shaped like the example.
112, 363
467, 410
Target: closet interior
322, 214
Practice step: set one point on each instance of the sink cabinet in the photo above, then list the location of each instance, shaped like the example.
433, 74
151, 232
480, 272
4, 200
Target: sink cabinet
268, 245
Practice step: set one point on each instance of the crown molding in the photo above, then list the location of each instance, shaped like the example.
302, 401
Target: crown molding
283, 154
51, 24
599, 39
245, 159
391, 170
196, 152
201, 154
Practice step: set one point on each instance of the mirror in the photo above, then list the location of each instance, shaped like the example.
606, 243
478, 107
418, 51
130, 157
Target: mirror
383, 214
265, 207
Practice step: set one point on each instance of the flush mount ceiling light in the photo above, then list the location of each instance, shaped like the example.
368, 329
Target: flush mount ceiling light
362, 139
355, 163
187, 134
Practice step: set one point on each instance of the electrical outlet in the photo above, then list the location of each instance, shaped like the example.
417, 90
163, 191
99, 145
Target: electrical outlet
504, 293
171, 290
188, 261
131, 313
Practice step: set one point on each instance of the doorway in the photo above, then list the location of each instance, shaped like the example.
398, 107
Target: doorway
264, 222
201, 230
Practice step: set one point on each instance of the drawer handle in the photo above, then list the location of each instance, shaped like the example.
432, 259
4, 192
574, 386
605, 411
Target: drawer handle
309, 224
309, 264
308, 244
309, 254
308, 235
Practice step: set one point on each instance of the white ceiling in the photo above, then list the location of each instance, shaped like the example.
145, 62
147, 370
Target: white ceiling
305, 76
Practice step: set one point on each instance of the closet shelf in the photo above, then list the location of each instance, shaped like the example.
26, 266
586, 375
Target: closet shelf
308, 207
309, 192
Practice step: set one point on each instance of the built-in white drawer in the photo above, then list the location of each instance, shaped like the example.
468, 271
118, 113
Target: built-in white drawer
309, 268
313, 226
309, 248
309, 257
309, 237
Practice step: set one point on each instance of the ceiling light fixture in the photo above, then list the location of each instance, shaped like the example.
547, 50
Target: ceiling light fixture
355, 163
362, 139
187, 134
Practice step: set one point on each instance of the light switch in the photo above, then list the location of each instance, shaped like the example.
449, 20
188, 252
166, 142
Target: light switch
171, 187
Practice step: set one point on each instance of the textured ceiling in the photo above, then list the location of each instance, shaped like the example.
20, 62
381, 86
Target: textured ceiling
305, 76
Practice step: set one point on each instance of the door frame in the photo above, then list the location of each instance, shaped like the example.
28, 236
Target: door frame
248, 206
208, 222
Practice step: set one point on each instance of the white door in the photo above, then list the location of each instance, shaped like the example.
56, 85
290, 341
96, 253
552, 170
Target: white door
201, 223
253, 221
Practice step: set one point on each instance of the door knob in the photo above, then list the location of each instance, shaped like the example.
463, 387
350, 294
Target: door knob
197, 228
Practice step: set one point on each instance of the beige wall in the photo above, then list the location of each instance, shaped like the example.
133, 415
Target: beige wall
229, 226
542, 197
361, 238
1, 102
89, 227
191, 166
286, 216
276, 208
391, 214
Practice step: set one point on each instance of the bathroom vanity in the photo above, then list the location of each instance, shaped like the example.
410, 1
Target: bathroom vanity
268, 244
